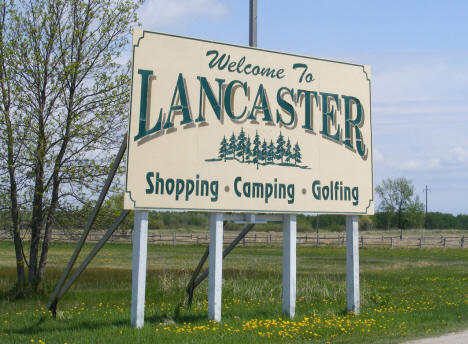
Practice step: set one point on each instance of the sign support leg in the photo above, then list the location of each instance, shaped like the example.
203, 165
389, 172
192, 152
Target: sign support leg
289, 265
215, 267
352, 264
194, 281
54, 298
140, 243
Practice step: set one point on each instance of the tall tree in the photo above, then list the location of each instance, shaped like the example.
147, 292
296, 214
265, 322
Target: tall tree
396, 195
223, 149
413, 217
74, 98
241, 142
40, 91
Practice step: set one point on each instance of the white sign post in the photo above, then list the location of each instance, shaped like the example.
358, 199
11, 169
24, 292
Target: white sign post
289, 265
352, 264
215, 277
139, 256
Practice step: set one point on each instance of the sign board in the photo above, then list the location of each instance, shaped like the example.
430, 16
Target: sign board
218, 127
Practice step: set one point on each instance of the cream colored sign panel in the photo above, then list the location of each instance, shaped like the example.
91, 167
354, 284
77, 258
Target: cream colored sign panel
217, 127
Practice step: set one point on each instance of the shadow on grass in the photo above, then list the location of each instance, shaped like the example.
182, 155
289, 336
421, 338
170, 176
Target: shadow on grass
36, 327
52, 325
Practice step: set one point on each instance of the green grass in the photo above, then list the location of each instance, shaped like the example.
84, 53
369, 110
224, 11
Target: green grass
405, 293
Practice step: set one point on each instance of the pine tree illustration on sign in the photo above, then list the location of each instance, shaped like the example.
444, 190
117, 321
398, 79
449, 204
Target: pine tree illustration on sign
297, 154
223, 149
279, 148
242, 149
232, 146
241, 144
248, 149
256, 150
264, 151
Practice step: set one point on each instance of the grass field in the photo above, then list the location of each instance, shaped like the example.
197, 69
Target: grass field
405, 293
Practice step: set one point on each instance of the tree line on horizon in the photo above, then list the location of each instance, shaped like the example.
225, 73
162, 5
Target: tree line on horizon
241, 148
70, 220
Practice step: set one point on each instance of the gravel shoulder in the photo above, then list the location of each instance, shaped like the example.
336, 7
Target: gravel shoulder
451, 338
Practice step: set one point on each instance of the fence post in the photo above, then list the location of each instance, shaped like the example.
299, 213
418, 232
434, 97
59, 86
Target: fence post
420, 242
462, 241
391, 242
197, 240
318, 240
268, 239
174, 239
362, 241
445, 243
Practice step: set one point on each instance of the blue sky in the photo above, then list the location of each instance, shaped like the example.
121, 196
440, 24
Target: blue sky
418, 52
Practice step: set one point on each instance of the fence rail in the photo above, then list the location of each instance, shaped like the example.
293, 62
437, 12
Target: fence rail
270, 238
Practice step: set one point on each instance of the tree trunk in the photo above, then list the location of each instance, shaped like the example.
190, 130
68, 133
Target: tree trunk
14, 209
56, 183
45, 249
37, 214
399, 218
54, 201
15, 230
36, 226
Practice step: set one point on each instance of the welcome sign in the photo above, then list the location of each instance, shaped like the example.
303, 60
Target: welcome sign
217, 127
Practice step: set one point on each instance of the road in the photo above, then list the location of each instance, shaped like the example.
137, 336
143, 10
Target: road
451, 338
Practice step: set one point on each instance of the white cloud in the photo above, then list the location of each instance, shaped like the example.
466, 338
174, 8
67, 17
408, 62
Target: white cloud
417, 165
409, 165
168, 13
458, 155
429, 164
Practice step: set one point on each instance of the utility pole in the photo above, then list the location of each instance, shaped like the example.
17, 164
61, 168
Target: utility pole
253, 23
426, 189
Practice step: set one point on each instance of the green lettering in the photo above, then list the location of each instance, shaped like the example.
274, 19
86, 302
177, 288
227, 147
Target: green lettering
183, 107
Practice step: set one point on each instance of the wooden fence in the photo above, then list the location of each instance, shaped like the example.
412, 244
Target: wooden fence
270, 238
